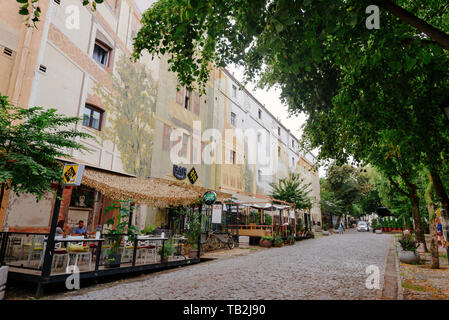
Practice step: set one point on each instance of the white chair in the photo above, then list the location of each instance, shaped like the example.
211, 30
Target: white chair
60, 253
36, 249
148, 249
80, 251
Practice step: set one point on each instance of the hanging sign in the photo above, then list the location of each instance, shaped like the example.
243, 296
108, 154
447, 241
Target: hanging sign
209, 197
72, 174
193, 176
179, 172
217, 210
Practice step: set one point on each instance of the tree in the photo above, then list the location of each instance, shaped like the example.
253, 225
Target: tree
131, 104
292, 189
32, 10
31, 140
272, 37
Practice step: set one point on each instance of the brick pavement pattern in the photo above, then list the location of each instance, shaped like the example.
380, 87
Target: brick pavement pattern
330, 267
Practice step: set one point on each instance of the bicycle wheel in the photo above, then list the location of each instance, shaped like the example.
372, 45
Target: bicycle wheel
231, 243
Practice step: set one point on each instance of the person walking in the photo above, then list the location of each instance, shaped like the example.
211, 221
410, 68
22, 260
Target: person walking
341, 227
440, 233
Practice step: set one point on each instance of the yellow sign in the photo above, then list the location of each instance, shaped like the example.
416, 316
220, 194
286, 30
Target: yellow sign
72, 174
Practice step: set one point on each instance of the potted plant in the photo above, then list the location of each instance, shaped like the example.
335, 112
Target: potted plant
290, 239
408, 247
277, 241
167, 249
149, 229
194, 234
325, 232
266, 241
116, 235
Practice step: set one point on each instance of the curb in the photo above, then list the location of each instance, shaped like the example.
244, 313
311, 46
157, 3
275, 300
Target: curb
392, 286
400, 292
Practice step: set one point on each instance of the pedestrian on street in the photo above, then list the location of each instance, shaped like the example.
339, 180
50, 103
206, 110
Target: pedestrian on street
341, 227
440, 233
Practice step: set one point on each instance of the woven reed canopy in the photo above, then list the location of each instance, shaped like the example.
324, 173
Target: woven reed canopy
152, 191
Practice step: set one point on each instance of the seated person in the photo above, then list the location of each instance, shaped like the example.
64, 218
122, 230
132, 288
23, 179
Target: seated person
80, 230
60, 228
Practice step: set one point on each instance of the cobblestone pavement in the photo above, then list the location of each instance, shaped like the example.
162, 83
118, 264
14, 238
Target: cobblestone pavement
324, 268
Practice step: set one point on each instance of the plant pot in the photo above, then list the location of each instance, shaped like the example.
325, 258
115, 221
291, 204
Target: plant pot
193, 254
379, 231
265, 243
325, 233
114, 260
408, 256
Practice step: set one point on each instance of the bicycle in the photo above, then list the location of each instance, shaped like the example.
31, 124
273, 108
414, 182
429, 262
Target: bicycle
218, 240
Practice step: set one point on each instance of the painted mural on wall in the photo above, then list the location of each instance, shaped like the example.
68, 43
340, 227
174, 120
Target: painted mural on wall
130, 106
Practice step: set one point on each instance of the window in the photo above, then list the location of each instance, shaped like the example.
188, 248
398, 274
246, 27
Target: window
279, 151
259, 175
279, 131
92, 117
180, 96
166, 138
293, 143
260, 114
293, 162
233, 118
187, 100
234, 91
258, 137
101, 53
232, 157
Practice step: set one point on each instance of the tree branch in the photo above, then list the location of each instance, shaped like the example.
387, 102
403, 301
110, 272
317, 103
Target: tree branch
433, 33
394, 183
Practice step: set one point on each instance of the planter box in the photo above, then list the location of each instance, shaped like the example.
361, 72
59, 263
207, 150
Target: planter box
265, 243
3, 278
408, 256
325, 233
379, 231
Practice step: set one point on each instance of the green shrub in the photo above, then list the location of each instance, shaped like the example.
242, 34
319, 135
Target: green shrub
277, 242
408, 243
269, 238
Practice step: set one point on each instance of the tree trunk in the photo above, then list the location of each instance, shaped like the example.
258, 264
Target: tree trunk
435, 262
444, 199
433, 33
414, 199
2, 193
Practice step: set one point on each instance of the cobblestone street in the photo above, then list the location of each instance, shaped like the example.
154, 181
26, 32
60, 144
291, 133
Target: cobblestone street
324, 268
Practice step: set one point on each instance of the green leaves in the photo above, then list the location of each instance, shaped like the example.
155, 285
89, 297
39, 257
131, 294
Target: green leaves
31, 140
292, 189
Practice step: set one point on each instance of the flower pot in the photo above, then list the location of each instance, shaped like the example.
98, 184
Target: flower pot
325, 233
193, 254
379, 231
113, 260
265, 243
408, 256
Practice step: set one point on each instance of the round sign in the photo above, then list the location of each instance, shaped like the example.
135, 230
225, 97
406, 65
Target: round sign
209, 197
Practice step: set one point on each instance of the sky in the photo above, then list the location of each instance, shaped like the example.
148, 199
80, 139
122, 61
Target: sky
270, 98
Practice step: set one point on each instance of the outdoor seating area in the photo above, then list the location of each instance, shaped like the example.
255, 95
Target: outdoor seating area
26, 252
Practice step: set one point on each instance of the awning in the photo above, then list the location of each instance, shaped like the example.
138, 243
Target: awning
152, 191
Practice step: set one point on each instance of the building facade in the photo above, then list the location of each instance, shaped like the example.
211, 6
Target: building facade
75, 54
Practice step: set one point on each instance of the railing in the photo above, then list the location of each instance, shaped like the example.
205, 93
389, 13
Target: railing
28, 251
